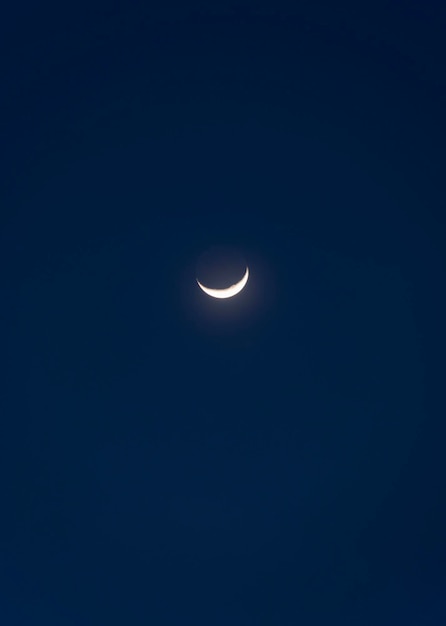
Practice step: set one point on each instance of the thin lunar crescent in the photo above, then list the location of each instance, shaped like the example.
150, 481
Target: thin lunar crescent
228, 292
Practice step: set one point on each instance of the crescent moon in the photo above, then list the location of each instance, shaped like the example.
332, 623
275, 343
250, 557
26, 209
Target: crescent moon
228, 292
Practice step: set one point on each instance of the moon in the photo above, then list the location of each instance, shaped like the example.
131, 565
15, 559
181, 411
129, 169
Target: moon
228, 292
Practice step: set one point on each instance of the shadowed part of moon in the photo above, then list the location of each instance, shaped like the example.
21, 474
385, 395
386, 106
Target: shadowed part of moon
220, 267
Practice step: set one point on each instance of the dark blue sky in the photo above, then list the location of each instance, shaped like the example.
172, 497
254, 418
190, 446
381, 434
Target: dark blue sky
276, 459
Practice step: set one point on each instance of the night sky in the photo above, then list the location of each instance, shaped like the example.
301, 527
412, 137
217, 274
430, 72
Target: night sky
275, 459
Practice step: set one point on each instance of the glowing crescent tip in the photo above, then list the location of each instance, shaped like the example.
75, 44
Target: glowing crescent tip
228, 292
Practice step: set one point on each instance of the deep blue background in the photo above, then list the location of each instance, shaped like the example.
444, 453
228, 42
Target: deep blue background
275, 459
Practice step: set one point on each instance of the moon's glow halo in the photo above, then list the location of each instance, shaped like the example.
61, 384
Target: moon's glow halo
228, 292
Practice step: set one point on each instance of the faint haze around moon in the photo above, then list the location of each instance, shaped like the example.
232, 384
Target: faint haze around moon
222, 267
